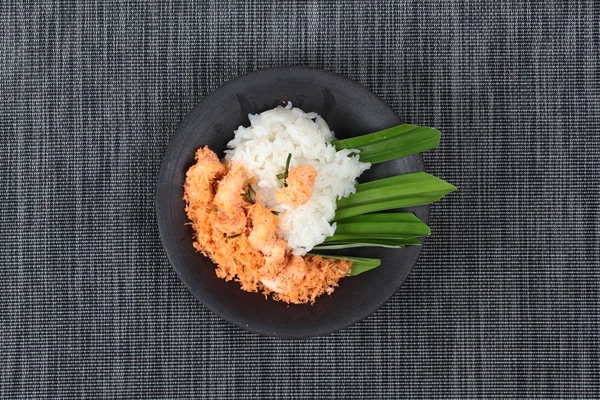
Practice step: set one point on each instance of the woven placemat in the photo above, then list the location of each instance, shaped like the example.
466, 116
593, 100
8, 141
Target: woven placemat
504, 301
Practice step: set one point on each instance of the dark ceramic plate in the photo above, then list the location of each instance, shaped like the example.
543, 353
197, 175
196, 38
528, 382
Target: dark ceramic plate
350, 109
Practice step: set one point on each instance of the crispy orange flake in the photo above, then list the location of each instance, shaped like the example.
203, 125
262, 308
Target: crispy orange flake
300, 183
240, 237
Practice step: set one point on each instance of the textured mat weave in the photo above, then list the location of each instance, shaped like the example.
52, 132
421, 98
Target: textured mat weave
504, 301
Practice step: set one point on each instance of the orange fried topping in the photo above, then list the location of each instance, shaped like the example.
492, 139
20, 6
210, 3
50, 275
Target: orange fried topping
239, 234
300, 183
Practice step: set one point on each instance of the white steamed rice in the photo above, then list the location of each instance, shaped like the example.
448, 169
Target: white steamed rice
263, 148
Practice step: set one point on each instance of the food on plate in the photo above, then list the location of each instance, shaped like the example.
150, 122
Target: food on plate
259, 212
298, 173
273, 198
238, 233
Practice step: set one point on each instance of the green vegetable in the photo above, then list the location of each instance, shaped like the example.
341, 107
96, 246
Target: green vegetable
399, 191
389, 144
250, 194
357, 224
402, 225
283, 176
366, 242
359, 264
394, 230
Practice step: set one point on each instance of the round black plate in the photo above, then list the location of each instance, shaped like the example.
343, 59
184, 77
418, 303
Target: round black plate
350, 109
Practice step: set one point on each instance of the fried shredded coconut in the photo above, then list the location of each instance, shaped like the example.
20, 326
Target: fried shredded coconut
300, 183
239, 234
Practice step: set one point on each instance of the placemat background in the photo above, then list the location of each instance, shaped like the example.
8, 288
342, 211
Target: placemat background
504, 301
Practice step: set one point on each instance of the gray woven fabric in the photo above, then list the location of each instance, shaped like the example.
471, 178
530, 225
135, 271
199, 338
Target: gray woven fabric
504, 301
